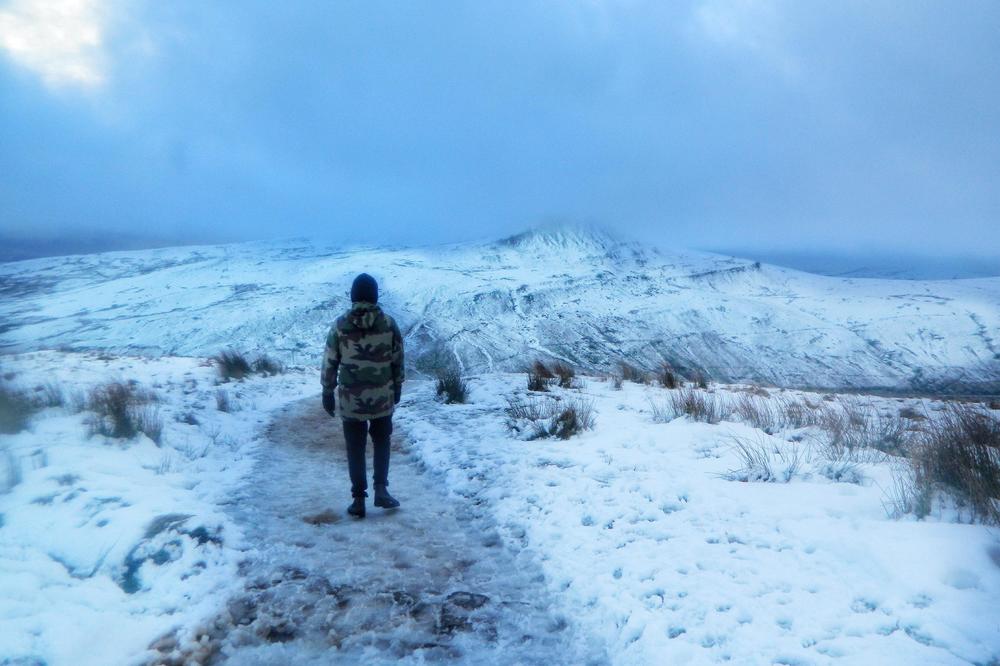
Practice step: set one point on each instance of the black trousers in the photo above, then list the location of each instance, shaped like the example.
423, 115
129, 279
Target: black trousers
356, 436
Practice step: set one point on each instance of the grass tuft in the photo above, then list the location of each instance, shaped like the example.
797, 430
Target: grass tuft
541, 418
232, 365
122, 410
452, 387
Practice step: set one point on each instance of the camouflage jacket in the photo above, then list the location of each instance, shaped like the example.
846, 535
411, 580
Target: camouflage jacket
364, 361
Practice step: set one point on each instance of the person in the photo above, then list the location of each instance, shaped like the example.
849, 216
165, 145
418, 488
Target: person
363, 368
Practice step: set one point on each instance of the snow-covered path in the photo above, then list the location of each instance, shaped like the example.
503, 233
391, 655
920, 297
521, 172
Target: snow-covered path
430, 581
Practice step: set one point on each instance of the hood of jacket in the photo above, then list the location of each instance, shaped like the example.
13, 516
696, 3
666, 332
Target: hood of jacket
364, 315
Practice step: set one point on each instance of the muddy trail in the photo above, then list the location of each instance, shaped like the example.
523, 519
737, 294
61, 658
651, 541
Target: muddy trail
428, 582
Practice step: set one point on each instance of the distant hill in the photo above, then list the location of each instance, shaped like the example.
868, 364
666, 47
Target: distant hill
579, 295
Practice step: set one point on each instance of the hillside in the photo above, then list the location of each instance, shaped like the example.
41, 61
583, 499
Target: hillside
567, 293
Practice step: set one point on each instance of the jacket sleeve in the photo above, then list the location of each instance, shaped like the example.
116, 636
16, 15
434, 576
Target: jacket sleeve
331, 361
398, 374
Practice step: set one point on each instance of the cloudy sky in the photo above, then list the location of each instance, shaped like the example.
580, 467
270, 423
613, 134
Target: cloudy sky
783, 124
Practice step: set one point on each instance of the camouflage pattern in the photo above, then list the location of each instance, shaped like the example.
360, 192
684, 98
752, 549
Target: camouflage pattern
364, 362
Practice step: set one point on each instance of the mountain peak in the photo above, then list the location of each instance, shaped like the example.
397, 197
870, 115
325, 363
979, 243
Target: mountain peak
563, 237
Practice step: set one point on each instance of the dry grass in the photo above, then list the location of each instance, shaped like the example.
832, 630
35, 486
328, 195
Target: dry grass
700, 380
267, 366
539, 377
122, 410
452, 387
565, 374
16, 410
774, 414
232, 365
668, 378
631, 373
697, 404
17, 406
540, 418
765, 460
857, 425
757, 412
692, 402
959, 452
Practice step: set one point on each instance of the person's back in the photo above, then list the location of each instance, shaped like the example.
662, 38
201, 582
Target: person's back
363, 369
365, 338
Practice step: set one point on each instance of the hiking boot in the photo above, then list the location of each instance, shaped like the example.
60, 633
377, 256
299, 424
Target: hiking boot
384, 499
357, 508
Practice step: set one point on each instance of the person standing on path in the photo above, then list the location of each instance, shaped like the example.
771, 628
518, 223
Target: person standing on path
363, 367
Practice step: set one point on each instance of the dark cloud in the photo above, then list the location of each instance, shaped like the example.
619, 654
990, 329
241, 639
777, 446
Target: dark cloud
758, 124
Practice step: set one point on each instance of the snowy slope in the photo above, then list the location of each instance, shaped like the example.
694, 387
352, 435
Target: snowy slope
567, 293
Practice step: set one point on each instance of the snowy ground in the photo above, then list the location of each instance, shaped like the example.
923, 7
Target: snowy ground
625, 544
431, 581
657, 553
98, 533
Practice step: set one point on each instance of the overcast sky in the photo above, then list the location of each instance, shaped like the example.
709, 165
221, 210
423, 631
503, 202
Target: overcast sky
715, 123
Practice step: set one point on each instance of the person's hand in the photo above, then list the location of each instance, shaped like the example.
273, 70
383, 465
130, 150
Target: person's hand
397, 394
329, 403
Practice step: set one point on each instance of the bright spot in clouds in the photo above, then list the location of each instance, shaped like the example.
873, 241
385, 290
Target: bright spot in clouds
59, 40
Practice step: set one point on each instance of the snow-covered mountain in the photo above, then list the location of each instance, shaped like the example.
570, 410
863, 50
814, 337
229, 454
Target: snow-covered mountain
569, 293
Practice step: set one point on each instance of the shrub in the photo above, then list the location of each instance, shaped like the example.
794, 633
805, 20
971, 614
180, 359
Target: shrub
122, 410
539, 377
541, 418
267, 366
542, 370
960, 452
666, 377
452, 386
565, 374
700, 380
573, 418
232, 365
994, 404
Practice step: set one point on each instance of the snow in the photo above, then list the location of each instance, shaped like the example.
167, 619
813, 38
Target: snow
628, 543
650, 547
572, 294
631, 543
428, 582
100, 538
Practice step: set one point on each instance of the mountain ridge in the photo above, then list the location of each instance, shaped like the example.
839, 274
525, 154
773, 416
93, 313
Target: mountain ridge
578, 295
